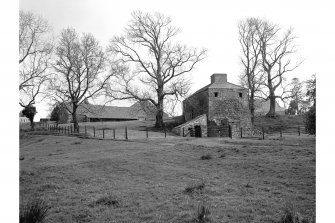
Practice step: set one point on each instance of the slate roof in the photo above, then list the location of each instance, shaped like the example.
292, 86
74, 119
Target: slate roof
100, 111
137, 110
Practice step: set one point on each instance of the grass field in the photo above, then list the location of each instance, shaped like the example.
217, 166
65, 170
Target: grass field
89, 180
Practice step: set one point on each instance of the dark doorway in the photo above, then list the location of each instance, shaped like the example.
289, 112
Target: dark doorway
197, 130
224, 128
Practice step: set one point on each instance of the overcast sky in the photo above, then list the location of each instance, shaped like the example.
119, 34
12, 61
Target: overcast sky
203, 24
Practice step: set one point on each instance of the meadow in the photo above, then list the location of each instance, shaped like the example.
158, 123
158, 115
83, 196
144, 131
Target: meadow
168, 180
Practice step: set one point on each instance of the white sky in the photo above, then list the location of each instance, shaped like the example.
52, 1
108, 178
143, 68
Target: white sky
203, 24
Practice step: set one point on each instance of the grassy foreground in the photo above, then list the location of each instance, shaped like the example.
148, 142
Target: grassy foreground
165, 180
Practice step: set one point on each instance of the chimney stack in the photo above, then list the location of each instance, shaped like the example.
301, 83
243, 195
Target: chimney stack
219, 78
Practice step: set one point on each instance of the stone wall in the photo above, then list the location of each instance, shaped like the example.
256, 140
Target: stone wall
200, 121
195, 105
231, 104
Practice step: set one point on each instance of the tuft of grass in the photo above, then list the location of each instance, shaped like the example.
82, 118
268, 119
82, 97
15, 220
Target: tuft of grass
291, 215
35, 211
108, 200
203, 214
195, 187
206, 157
248, 185
77, 143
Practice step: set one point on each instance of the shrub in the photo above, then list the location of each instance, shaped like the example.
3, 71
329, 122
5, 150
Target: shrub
34, 212
30, 112
310, 120
108, 200
59, 114
203, 214
291, 215
206, 157
195, 187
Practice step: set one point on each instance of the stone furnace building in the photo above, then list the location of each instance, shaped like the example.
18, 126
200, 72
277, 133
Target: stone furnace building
217, 109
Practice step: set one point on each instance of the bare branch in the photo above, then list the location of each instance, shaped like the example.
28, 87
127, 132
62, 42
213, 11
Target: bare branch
157, 65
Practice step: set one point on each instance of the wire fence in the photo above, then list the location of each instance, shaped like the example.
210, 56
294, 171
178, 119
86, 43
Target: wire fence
106, 133
258, 132
125, 133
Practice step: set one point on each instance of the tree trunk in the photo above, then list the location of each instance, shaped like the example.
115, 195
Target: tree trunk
272, 111
252, 107
159, 107
32, 125
159, 119
74, 118
159, 115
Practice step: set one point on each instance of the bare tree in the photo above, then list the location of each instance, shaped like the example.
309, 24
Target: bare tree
277, 52
35, 49
80, 71
157, 67
252, 76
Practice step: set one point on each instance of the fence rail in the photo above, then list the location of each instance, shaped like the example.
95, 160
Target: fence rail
107, 133
126, 133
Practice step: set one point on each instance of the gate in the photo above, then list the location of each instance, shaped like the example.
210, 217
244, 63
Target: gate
221, 130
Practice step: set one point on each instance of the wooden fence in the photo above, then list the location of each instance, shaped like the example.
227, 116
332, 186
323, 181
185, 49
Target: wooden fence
125, 133
107, 133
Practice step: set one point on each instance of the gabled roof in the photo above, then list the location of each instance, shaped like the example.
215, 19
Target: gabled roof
100, 111
138, 109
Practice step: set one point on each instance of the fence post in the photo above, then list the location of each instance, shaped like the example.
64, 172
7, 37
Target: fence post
281, 133
126, 133
113, 133
299, 130
147, 133
94, 131
263, 132
183, 132
165, 132
85, 131
241, 133
103, 133
229, 132
71, 129
68, 129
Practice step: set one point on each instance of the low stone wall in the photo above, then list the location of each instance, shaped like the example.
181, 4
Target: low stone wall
198, 121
